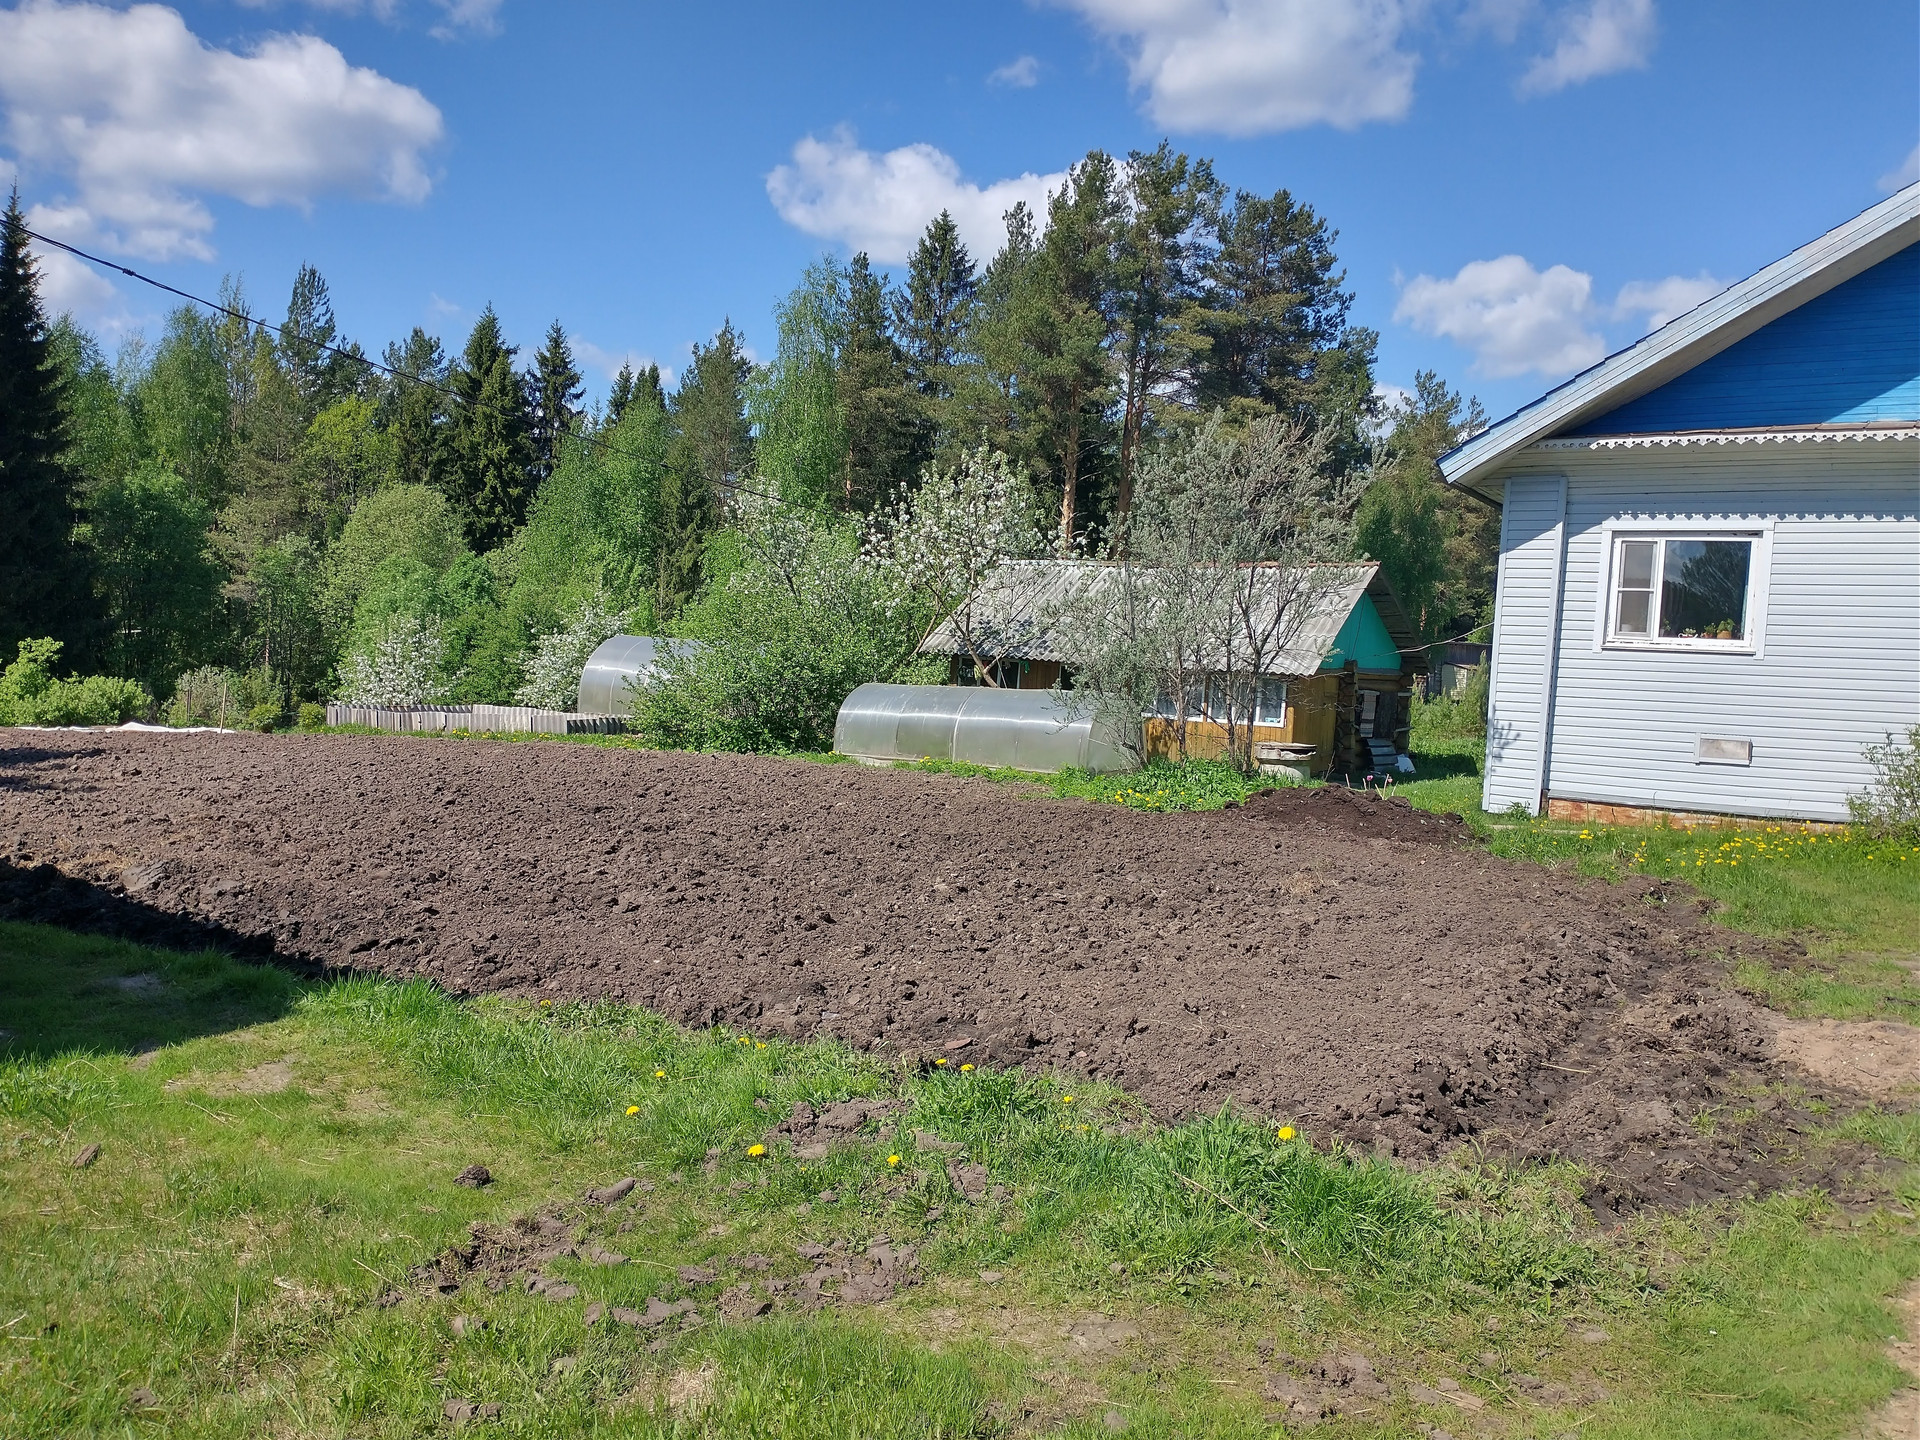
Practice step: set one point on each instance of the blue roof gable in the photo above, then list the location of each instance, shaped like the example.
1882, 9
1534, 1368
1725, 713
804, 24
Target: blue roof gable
1850, 356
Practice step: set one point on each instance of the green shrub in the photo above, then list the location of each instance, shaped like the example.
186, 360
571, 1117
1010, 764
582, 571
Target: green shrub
213, 696
30, 693
1889, 808
312, 717
264, 718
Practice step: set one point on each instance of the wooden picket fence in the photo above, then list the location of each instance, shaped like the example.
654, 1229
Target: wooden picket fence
498, 719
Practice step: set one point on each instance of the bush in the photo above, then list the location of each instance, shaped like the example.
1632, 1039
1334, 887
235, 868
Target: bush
1450, 717
30, 694
1890, 806
792, 619
224, 698
401, 667
264, 718
553, 669
312, 717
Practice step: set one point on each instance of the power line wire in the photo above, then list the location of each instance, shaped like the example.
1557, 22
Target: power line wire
356, 356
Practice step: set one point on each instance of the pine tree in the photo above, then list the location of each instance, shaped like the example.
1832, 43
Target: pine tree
1160, 256
888, 433
931, 314
711, 447
556, 389
492, 447
45, 584
1275, 315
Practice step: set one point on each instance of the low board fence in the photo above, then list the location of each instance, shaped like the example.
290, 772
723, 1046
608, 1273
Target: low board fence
495, 719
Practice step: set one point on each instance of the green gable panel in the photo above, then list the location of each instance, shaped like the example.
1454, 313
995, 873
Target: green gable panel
1364, 640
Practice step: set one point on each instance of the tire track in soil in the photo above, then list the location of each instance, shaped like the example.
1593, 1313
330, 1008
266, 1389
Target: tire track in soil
1317, 955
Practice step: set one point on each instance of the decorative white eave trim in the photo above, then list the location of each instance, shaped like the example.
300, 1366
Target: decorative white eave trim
1725, 437
1703, 332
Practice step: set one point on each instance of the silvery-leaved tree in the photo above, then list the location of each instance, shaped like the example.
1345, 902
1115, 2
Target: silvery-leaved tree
402, 666
943, 548
1230, 557
553, 668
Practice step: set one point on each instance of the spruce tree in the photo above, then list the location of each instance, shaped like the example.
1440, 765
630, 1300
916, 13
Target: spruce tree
888, 432
931, 314
711, 448
621, 395
556, 390
319, 375
45, 582
414, 411
492, 446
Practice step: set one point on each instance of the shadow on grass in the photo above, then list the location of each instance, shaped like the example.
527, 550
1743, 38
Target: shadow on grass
102, 990
1444, 765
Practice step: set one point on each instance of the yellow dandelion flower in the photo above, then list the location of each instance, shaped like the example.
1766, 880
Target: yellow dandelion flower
633, 1109
893, 1159
756, 1151
759, 1044
940, 1062
1286, 1132
546, 1002
659, 1074
1066, 1099
744, 1040
966, 1067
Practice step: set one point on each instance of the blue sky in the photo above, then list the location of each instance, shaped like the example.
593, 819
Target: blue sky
1519, 185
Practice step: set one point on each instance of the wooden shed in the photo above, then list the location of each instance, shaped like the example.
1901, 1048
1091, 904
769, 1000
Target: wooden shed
1344, 684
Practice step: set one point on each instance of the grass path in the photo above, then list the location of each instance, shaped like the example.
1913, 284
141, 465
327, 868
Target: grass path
276, 1157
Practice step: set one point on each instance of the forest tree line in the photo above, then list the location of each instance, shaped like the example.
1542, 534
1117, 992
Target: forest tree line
271, 500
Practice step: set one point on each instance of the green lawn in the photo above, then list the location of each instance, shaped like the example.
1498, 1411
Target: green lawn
276, 1156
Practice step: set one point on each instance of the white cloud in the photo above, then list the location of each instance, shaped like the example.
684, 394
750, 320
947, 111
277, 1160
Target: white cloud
144, 118
1249, 67
1906, 173
1514, 318
1602, 37
479, 17
1020, 74
882, 203
1664, 300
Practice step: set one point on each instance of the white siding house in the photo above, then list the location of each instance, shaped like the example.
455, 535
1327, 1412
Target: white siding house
1709, 584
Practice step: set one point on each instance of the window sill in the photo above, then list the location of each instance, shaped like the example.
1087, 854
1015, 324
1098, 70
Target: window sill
1684, 647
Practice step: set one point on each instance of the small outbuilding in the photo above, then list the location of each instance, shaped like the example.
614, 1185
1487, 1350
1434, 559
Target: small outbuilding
1709, 585
1342, 686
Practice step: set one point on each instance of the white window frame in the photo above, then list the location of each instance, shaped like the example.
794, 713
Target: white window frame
1759, 577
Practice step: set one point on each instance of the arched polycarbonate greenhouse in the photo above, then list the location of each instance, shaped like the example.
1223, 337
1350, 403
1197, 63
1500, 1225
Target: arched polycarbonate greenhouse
975, 724
620, 665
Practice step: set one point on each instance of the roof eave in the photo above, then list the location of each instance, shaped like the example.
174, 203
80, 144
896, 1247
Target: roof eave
1701, 333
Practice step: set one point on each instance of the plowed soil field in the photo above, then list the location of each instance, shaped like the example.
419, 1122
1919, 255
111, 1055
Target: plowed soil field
1336, 960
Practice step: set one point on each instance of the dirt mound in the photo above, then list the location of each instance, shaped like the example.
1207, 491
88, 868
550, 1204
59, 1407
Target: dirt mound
1360, 814
1290, 958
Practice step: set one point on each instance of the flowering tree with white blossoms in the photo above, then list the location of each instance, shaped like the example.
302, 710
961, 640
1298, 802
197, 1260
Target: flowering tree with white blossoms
942, 549
402, 667
553, 668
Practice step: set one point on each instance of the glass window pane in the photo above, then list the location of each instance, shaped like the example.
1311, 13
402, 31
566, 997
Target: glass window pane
1636, 564
1635, 613
1273, 702
1703, 588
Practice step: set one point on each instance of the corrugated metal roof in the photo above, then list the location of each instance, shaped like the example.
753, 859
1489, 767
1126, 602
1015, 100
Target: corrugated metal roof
1011, 609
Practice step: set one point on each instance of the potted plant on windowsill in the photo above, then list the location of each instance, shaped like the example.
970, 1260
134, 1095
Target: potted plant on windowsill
1726, 630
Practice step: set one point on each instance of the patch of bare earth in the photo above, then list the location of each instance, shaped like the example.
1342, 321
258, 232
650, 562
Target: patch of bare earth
1899, 1418
1324, 957
1880, 1058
